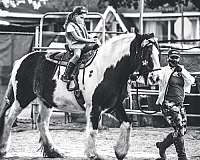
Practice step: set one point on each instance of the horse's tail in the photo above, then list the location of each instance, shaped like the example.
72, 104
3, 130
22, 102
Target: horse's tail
5, 105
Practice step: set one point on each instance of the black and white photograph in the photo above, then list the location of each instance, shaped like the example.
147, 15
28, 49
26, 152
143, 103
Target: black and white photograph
100, 79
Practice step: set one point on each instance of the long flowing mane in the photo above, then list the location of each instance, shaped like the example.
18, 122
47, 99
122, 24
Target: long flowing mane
115, 48
111, 52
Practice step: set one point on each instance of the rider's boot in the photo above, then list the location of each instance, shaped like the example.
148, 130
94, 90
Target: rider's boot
180, 149
162, 146
66, 77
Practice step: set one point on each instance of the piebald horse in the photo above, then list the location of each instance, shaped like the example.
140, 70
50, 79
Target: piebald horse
104, 80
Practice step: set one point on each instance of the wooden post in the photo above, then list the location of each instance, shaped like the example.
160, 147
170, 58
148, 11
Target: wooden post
141, 15
182, 21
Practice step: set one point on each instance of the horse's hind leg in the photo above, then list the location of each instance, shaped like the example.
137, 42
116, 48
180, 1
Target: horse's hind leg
10, 117
45, 138
122, 146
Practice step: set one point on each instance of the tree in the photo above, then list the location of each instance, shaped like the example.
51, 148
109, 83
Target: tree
119, 3
156, 3
148, 3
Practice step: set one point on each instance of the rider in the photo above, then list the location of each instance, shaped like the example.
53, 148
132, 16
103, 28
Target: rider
77, 38
174, 80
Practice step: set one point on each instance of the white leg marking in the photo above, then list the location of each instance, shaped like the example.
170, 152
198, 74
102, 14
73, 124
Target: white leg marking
90, 146
50, 150
43, 124
10, 117
122, 145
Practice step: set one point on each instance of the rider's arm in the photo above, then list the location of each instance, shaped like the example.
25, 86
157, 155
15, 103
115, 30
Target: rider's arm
81, 39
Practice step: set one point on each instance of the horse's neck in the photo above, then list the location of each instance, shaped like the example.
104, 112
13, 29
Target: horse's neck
111, 56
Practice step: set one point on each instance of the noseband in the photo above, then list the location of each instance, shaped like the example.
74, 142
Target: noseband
144, 62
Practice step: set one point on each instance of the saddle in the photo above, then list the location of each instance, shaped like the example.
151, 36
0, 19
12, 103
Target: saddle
62, 58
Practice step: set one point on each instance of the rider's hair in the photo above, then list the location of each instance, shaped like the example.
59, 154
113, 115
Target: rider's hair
69, 18
76, 11
80, 10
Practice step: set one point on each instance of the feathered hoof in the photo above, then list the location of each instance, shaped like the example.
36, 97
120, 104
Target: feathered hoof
52, 153
2, 154
120, 156
95, 157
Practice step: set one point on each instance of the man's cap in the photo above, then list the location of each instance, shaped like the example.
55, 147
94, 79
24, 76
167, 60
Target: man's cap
173, 52
80, 10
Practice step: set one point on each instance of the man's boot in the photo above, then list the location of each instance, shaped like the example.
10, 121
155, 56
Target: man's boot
66, 77
180, 149
162, 146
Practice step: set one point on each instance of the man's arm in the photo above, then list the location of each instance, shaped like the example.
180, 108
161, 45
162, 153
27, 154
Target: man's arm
188, 79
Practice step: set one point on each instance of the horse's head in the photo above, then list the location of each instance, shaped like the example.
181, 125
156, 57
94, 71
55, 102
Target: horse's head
147, 53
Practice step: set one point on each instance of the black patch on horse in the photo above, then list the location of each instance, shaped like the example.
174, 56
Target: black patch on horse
34, 78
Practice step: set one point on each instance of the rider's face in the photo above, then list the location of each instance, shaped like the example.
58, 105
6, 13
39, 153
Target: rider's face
80, 18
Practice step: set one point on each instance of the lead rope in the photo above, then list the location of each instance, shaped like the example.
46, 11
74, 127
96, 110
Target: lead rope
83, 78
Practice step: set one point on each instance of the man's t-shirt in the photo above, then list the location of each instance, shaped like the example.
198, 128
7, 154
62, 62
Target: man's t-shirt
175, 92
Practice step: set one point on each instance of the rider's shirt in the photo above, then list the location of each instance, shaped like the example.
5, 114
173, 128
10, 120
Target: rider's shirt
79, 29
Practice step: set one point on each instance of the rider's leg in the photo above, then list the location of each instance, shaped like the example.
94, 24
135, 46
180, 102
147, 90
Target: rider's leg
71, 65
90, 46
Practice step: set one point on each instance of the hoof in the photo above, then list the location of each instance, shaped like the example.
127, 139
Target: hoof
2, 154
96, 157
52, 153
120, 157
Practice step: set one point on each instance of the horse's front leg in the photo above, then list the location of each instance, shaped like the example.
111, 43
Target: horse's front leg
122, 146
49, 149
92, 115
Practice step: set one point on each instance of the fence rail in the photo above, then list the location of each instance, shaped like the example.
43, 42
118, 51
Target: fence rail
152, 93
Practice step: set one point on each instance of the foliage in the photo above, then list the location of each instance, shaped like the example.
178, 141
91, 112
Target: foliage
156, 3
119, 3
148, 3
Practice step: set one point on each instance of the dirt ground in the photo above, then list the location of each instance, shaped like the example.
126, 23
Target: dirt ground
70, 139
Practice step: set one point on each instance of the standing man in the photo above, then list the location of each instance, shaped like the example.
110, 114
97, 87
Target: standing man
174, 80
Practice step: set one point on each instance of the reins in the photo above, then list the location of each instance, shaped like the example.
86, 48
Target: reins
137, 94
137, 86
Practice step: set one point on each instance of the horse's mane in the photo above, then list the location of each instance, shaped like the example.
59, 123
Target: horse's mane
121, 42
114, 49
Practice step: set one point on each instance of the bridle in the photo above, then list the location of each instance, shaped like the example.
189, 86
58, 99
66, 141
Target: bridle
144, 63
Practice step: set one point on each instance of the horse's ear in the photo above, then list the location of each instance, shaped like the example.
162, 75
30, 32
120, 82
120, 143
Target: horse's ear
151, 35
148, 36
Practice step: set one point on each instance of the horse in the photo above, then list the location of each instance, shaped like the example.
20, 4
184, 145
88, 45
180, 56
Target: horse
104, 80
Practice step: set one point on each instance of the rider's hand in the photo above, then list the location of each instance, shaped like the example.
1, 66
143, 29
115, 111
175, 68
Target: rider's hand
92, 40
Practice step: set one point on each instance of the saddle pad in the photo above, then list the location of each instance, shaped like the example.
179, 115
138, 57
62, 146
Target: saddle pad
64, 57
